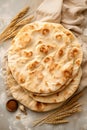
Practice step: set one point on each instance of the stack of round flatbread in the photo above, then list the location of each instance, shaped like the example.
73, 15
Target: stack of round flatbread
43, 66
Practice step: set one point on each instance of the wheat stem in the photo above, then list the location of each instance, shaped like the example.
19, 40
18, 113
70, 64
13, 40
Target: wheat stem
55, 113
14, 33
57, 122
69, 104
62, 115
25, 21
11, 27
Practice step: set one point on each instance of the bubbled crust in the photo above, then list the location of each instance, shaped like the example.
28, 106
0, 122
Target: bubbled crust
63, 95
23, 96
43, 57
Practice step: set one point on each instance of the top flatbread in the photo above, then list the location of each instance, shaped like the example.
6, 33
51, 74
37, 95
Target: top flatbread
23, 96
44, 56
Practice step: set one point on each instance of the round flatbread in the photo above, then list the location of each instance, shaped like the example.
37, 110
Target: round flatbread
23, 96
44, 57
63, 95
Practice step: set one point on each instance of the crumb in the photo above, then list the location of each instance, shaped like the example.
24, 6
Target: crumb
18, 117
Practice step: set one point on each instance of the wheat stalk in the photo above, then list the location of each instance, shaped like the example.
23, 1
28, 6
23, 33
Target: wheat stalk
25, 21
20, 15
57, 122
13, 34
17, 27
17, 18
70, 107
65, 106
64, 114
60, 115
67, 109
11, 27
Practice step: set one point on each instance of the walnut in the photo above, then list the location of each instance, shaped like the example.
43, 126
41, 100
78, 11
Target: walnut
22, 108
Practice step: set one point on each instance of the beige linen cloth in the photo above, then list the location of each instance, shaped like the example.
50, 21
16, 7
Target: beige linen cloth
72, 14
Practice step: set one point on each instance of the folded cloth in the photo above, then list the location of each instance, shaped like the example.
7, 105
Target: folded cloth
83, 41
49, 10
72, 15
